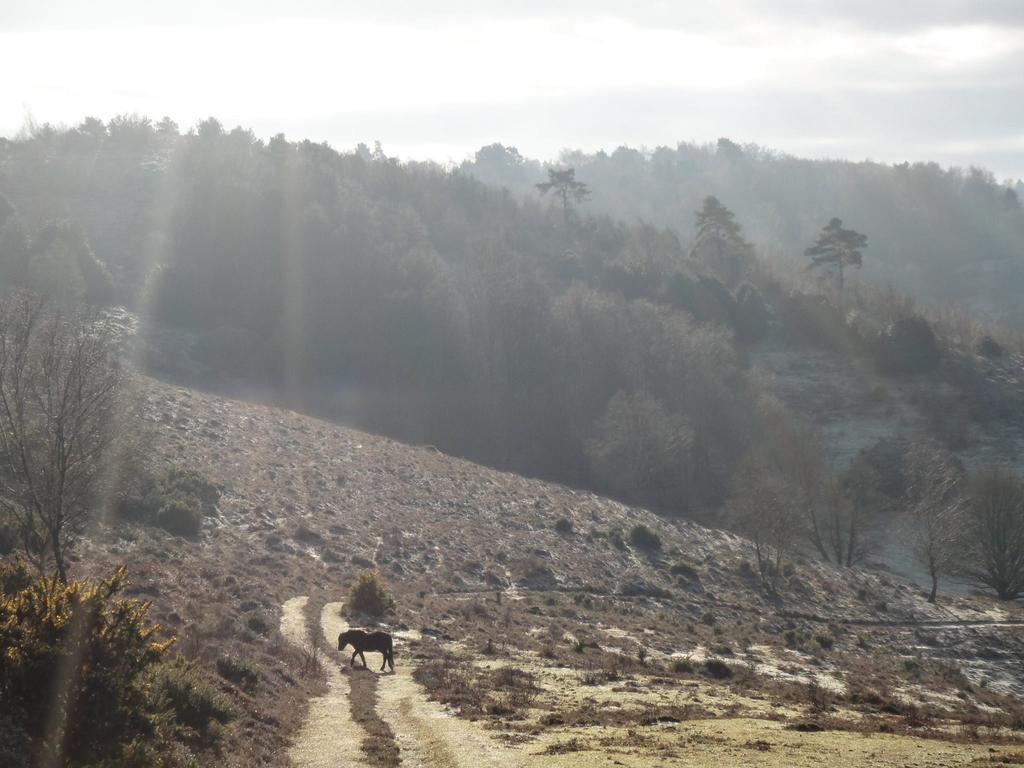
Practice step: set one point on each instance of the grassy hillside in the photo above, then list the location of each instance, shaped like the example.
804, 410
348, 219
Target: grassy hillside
493, 571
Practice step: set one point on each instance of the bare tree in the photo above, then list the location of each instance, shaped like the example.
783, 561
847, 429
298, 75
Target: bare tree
934, 507
833, 525
994, 556
60, 408
765, 508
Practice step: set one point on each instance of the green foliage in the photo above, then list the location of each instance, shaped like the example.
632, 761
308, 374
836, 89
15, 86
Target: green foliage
199, 710
238, 671
837, 247
642, 537
177, 502
83, 649
370, 594
720, 241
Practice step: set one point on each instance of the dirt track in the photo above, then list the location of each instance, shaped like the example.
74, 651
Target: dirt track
329, 738
427, 735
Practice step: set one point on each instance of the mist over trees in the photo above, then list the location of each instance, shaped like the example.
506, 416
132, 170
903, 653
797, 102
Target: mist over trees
937, 234
525, 333
408, 299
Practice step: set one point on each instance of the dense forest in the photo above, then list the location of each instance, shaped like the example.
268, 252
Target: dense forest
938, 234
419, 302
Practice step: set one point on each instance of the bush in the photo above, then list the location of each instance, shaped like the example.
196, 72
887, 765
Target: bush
238, 671
990, 348
370, 595
684, 569
642, 537
682, 666
564, 526
199, 710
717, 669
47, 628
813, 319
825, 642
178, 502
909, 346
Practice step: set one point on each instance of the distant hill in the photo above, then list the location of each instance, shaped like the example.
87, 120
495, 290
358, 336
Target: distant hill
937, 234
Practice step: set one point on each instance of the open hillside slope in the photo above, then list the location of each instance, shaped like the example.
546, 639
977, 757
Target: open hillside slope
538, 612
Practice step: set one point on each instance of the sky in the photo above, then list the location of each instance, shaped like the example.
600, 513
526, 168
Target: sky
889, 80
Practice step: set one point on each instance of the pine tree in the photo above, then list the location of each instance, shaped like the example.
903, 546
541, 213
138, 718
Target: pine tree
565, 186
720, 240
839, 247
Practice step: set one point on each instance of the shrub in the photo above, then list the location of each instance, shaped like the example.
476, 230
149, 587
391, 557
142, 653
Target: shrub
199, 709
990, 348
909, 346
238, 671
177, 502
47, 627
684, 569
564, 526
825, 642
813, 319
370, 594
682, 666
717, 669
642, 537
178, 517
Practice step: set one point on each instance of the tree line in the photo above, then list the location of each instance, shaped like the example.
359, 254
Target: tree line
418, 302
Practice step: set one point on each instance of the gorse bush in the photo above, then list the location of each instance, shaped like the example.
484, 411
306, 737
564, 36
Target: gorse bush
199, 710
238, 671
370, 594
77, 652
80, 654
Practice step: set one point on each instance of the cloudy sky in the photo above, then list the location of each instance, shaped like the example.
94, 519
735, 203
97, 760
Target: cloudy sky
888, 80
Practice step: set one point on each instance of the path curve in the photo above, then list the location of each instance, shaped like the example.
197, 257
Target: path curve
329, 738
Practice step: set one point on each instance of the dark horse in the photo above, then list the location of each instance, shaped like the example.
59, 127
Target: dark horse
361, 641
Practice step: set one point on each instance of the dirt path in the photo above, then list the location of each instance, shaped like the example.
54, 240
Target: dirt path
426, 735
430, 737
329, 738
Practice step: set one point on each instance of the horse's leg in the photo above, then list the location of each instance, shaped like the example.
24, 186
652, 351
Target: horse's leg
353, 662
361, 656
391, 658
384, 660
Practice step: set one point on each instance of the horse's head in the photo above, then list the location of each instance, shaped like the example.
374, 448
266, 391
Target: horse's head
343, 640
